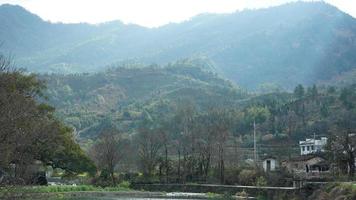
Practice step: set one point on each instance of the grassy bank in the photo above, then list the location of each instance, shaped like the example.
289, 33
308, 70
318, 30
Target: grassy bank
28, 190
60, 188
67, 192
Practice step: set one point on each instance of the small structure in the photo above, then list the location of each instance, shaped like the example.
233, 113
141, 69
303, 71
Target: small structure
310, 146
307, 164
269, 164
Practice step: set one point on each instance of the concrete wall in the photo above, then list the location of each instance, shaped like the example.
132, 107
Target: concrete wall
274, 164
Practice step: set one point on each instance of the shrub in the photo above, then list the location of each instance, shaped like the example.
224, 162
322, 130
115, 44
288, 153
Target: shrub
232, 175
242, 194
261, 181
279, 178
125, 184
247, 177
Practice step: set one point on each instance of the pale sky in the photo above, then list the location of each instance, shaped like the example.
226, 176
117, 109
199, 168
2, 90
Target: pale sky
150, 13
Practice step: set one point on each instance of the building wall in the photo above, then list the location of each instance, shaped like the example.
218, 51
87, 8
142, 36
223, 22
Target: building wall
274, 164
300, 166
310, 146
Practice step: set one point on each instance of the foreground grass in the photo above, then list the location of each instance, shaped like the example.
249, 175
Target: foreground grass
60, 188
66, 192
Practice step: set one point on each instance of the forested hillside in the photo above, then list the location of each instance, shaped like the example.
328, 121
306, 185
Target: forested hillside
126, 95
163, 112
295, 43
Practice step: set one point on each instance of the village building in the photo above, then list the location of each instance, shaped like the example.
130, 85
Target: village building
306, 164
270, 164
311, 163
310, 146
310, 166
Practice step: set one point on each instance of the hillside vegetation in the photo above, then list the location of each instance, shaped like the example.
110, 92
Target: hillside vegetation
127, 95
182, 123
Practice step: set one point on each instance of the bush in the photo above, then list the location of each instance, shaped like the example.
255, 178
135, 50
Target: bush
232, 175
146, 179
247, 177
261, 181
242, 194
103, 180
125, 184
280, 178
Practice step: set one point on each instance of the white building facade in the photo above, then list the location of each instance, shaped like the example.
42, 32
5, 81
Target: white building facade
310, 146
269, 164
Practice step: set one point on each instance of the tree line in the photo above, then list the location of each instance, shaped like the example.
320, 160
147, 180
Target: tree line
214, 145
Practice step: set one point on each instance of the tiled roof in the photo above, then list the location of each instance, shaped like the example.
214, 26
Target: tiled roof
305, 157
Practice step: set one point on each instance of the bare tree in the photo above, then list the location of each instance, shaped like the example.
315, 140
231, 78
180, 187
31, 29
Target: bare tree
220, 125
149, 141
184, 120
107, 152
166, 143
342, 146
204, 146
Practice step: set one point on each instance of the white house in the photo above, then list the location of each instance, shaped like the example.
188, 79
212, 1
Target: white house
310, 146
269, 164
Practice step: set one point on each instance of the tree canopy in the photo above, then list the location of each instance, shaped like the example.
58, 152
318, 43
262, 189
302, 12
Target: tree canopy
29, 131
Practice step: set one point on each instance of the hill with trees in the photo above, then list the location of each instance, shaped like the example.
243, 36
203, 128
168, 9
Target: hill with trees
296, 43
179, 123
127, 98
173, 123
128, 94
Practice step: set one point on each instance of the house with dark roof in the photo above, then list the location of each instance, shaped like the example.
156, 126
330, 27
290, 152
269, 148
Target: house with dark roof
307, 166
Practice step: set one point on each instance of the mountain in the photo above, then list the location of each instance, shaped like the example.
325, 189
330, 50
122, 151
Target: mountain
124, 96
302, 42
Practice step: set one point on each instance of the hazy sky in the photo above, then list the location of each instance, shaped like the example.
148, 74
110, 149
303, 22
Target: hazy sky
149, 13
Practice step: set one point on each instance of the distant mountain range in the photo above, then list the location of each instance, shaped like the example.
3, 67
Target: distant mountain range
286, 45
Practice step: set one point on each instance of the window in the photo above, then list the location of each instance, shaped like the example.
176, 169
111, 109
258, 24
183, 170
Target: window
308, 148
303, 148
312, 147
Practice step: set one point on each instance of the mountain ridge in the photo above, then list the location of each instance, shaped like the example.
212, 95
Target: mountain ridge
250, 47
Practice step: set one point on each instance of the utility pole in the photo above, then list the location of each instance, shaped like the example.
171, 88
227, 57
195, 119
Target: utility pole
254, 141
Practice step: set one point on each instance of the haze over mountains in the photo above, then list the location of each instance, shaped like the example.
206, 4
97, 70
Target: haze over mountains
286, 45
